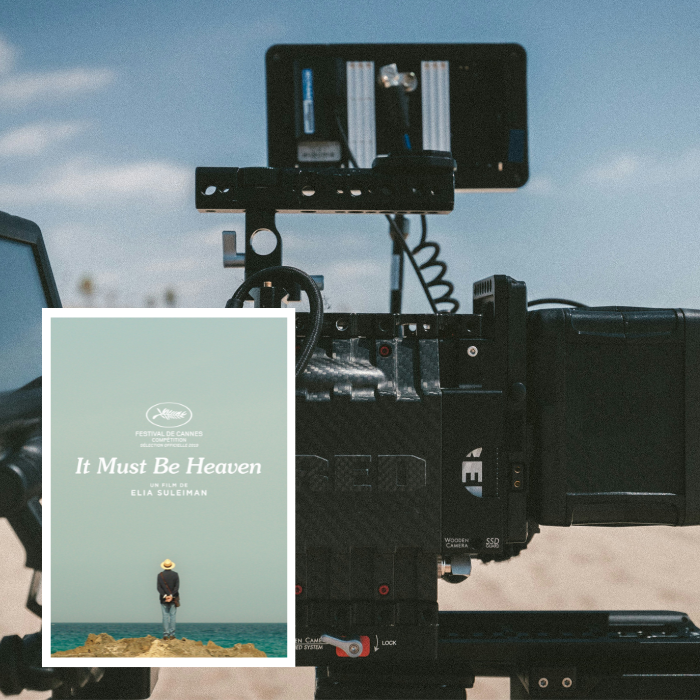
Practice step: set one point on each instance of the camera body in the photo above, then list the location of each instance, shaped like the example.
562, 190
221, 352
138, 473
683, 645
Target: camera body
423, 439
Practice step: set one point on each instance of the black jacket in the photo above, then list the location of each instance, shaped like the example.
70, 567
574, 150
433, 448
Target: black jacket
173, 581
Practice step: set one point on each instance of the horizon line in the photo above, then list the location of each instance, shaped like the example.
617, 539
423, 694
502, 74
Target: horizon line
284, 622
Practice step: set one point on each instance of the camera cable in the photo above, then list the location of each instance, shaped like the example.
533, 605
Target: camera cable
396, 233
287, 277
439, 280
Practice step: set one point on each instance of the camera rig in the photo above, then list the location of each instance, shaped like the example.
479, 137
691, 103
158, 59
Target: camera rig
427, 439
424, 440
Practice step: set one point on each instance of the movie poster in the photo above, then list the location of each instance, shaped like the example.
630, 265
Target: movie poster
167, 487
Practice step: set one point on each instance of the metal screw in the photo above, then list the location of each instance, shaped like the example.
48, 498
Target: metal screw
354, 648
567, 682
543, 682
472, 351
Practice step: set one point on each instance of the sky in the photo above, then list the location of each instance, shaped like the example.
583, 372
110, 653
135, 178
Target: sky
107, 108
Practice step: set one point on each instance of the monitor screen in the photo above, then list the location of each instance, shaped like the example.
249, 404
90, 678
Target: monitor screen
336, 105
26, 286
21, 299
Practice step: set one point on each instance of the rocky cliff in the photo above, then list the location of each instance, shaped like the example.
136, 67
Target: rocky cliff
104, 645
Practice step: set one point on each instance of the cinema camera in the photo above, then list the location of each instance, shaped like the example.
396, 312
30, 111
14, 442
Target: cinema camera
424, 440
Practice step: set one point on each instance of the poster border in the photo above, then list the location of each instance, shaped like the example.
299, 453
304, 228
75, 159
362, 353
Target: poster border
164, 662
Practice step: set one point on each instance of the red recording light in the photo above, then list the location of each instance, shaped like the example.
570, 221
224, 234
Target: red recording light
385, 350
298, 589
384, 589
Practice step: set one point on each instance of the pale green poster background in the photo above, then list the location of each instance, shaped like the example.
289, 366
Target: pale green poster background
230, 546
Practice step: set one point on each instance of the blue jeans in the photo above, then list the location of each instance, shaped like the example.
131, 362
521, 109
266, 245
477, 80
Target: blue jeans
169, 610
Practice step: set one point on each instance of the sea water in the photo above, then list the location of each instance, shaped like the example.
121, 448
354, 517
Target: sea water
268, 637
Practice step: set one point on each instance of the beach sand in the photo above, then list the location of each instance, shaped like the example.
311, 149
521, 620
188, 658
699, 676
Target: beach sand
564, 568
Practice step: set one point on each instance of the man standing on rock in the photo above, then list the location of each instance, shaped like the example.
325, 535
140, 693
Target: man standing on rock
169, 590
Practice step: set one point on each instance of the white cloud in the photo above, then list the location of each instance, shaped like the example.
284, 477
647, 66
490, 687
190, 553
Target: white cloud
619, 169
34, 139
175, 265
148, 179
630, 169
539, 184
20, 89
7, 56
81, 182
687, 166
354, 272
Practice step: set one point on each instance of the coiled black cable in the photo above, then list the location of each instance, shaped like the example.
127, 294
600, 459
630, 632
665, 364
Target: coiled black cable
286, 277
439, 280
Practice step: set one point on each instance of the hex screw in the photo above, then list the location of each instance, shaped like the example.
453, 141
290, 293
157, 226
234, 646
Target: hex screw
354, 648
567, 682
543, 682
472, 351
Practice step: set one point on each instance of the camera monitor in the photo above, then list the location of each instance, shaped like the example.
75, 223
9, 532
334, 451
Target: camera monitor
341, 105
26, 286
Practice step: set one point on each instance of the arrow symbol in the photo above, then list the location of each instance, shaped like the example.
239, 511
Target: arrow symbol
377, 638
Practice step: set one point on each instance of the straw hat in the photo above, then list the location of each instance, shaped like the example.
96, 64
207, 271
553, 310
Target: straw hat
167, 564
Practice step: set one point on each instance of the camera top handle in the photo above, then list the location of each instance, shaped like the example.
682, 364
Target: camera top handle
408, 183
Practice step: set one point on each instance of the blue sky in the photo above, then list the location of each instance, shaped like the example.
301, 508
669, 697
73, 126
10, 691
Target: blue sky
107, 108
